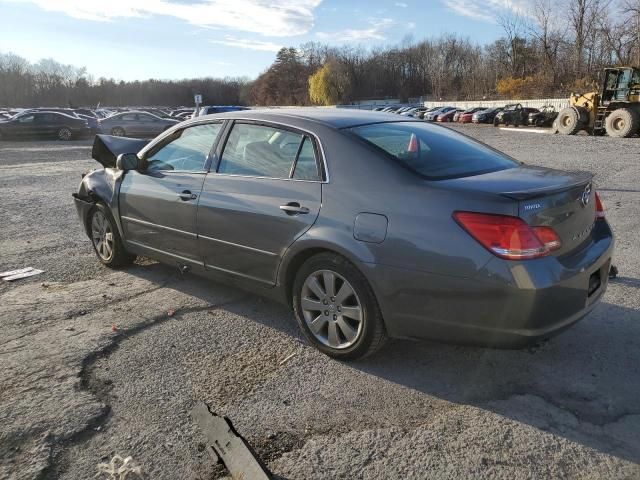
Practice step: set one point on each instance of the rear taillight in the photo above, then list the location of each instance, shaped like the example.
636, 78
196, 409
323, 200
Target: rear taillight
508, 237
599, 208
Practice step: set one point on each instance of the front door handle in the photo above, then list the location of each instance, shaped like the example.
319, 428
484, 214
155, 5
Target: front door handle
187, 195
293, 208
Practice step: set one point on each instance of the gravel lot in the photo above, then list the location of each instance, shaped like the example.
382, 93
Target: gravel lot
75, 392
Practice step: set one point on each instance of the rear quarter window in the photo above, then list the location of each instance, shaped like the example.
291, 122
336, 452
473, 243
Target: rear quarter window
433, 152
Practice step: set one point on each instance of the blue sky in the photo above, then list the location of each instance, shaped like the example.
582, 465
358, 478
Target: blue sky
170, 39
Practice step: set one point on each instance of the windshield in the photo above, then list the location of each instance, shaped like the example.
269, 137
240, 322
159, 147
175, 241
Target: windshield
433, 152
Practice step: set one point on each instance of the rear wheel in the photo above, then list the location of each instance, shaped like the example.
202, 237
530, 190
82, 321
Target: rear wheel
118, 132
622, 123
65, 134
568, 121
106, 240
336, 308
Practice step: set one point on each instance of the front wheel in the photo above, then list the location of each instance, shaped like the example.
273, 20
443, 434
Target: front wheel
568, 121
106, 240
118, 132
336, 308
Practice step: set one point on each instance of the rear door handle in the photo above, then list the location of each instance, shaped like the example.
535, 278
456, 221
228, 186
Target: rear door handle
293, 208
187, 195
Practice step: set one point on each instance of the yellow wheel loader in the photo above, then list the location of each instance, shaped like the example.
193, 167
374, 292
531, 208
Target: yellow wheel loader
614, 110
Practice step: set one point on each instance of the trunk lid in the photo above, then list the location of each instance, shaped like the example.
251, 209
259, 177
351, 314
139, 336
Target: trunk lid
570, 212
562, 200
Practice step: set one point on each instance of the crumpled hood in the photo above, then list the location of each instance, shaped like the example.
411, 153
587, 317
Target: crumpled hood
106, 148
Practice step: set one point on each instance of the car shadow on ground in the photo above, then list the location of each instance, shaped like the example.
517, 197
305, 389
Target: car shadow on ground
582, 385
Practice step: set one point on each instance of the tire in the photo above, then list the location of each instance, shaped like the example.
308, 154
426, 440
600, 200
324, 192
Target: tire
106, 241
496, 122
118, 132
338, 335
568, 121
65, 134
622, 123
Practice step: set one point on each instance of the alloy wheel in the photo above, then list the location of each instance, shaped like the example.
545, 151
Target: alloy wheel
64, 134
331, 309
102, 235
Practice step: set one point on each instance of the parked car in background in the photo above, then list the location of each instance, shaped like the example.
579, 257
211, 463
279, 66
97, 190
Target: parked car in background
448, 116
466, 244
514, 114
432, 116
104, 113
209, 109
183, 115
135, 124
43, 124
66, 111
86, 111
467, 115
414, 112
156, 111
418, 113
543, 118
486, 116
92, 122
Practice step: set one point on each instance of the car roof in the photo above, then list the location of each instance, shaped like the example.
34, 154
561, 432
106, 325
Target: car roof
332, 117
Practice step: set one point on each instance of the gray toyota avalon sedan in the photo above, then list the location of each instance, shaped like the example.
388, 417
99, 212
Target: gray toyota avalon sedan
370, 225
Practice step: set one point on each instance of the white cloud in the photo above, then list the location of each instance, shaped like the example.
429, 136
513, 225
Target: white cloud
401, 4
230, 41
375, 32
278, 18
489, 10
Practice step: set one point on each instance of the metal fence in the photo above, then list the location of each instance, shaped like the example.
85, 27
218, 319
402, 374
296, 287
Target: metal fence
559, 103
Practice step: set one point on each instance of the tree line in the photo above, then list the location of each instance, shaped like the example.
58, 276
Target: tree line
558, 47
49, 83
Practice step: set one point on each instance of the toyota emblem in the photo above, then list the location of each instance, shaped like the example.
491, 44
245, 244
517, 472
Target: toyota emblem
586, 195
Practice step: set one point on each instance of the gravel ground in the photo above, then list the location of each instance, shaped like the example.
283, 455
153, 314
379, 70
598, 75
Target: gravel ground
92, 364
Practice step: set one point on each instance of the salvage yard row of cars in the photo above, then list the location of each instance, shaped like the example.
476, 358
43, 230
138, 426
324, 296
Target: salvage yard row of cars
512, 114
147, 122
68, 123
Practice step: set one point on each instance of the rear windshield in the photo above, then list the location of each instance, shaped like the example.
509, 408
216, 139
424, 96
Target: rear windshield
433, 152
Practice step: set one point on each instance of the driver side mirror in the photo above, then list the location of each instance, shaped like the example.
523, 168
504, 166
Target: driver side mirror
127, 161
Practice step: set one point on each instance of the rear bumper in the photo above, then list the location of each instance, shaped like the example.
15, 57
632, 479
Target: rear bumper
508, 304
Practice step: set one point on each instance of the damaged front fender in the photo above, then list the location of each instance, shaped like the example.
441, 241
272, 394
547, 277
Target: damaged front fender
98, 186
103, 185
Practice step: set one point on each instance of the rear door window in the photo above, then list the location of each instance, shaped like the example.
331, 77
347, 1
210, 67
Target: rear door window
433, 152
306, 165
